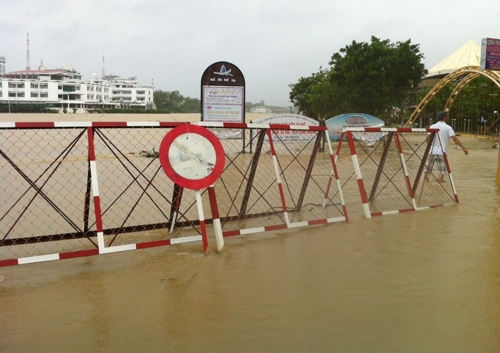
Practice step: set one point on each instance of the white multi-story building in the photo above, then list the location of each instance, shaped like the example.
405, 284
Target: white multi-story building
129, 93
65, 89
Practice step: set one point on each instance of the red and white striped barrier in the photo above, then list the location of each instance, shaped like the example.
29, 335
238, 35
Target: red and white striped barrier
301, 178
396, 183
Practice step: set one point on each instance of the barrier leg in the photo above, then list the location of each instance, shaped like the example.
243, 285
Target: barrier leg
216, 219
202, 221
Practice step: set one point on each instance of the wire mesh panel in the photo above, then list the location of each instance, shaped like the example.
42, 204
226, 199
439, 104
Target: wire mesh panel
391, 170
137, 199
65, 186
44, 180
77, 189
274, 182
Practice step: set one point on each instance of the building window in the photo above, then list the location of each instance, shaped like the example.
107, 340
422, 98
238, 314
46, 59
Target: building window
69, 89
12, 94
20, 94
44, 86
34, 95
44, 95
34, 85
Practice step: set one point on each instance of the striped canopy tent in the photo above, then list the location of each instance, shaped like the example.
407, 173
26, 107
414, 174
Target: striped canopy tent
467, 55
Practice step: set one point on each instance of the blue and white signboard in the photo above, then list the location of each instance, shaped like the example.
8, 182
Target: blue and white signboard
339, 122
290, 119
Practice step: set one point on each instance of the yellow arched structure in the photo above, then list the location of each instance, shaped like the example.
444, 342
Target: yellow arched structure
466, 75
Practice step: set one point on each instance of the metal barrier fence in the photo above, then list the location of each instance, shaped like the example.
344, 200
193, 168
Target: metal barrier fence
79, 189
390, 169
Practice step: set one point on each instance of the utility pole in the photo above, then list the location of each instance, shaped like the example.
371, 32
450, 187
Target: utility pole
103, 74
28, 51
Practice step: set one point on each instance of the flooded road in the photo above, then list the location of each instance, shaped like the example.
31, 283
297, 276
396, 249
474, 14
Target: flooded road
426, 281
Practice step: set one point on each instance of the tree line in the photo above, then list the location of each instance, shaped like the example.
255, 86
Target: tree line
174, 102
375, 77
363, 78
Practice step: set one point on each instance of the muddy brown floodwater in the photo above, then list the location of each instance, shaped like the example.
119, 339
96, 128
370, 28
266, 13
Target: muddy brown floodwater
426, 281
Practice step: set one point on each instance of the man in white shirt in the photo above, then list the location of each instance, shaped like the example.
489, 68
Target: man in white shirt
436, 154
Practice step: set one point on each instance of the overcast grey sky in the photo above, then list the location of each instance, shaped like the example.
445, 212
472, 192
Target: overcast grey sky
273, 42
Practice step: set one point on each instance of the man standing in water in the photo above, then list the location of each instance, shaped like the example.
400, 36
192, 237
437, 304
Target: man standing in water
436, 154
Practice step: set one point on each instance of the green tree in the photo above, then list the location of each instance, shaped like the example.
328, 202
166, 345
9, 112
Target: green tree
362, 77
175, 102
311, 95
248, 106
191, 105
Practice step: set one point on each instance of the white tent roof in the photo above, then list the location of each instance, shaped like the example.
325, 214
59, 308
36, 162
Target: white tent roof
466, 55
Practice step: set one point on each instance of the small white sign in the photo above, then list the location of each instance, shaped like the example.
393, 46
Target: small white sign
292, 120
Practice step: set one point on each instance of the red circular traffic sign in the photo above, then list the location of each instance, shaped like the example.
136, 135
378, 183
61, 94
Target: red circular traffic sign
192, 156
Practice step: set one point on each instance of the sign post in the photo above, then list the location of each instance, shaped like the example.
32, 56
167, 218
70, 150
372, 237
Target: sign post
490, 54
193, 158
490, 60
223, 97
223, 93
